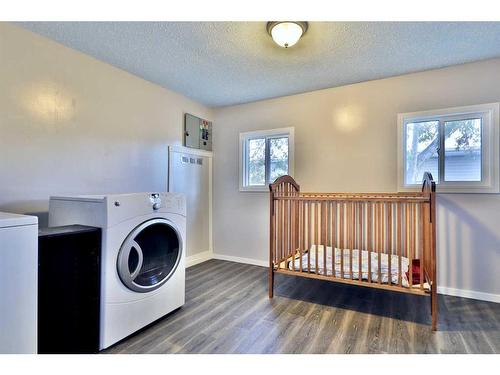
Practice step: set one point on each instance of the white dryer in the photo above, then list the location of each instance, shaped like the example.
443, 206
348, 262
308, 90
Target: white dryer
143, 255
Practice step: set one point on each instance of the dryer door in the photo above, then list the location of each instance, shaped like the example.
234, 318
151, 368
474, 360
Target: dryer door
149, 255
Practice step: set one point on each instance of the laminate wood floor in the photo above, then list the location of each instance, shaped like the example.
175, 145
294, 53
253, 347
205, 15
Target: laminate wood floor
227, 310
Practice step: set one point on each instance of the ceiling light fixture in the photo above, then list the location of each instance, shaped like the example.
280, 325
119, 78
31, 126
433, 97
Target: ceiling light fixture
286, 33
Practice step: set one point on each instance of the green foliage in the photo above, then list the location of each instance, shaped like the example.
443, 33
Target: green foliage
467, 134
278, 163
465, 131
423, 142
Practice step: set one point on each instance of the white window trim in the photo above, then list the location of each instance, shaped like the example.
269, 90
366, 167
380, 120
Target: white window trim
490, 148
290, 132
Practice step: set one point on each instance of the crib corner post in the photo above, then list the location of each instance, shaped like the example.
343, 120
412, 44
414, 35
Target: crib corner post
434, 296
434, 307
271, 282
271, 240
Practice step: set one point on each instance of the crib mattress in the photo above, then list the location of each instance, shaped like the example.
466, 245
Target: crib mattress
384, 264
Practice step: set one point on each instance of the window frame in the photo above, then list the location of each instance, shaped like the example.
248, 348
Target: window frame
243, 155
489, 114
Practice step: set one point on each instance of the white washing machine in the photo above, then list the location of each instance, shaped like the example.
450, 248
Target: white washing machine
143, 255
18, 283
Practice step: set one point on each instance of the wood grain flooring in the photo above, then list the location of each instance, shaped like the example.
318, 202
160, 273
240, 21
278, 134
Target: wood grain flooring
227, 310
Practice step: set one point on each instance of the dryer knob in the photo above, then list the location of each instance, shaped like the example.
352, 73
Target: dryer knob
156, 206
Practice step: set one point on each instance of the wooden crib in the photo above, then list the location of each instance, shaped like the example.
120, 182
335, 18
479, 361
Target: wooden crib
378, 240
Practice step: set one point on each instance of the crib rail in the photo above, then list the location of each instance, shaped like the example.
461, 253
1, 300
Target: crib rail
382, 240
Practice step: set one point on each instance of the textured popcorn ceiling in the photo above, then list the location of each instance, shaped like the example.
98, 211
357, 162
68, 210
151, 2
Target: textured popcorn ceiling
224, 63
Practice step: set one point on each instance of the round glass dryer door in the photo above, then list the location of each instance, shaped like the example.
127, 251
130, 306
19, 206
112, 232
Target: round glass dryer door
149, 255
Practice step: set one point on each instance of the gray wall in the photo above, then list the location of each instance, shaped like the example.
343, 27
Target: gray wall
72, 124
346, 140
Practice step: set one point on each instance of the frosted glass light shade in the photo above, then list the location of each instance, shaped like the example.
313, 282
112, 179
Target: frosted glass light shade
286, 34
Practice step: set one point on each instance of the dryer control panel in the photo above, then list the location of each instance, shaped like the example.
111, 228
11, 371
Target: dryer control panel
155, 201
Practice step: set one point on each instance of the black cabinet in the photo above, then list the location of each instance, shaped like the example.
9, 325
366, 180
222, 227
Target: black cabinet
69, 289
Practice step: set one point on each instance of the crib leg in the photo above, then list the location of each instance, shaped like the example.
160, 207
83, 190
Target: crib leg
434, 311
271, 282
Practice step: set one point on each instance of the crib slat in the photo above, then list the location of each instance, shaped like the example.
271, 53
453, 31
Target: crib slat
276, 232
285, 227
349, 236
316, 242
421, 244
272, 233
410, 231
398, 242
281, 218
348, 227
285, 221
360, 241
286, 224
341, 239
379, 245
281, 239
292, 232
353, 235
296, 227
369, 247
276, 227
329, 223
309, 236
414, 236
389, 249
289, 250
323, 235
375, 227
302, 232
410, 242
280, 228
334, 237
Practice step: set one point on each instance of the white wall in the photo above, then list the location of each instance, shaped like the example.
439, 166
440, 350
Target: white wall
72, 124
346, 140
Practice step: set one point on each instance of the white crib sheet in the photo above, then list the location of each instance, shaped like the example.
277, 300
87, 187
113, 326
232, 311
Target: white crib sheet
384, 264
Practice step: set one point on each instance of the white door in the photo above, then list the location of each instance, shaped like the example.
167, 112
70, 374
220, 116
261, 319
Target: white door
190, 173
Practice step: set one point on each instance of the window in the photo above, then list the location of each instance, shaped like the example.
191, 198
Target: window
265, 156
459, 146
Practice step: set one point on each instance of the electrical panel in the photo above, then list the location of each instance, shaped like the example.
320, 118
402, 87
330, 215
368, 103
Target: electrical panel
197, 132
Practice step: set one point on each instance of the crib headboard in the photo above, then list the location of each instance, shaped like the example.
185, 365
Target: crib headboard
285, 185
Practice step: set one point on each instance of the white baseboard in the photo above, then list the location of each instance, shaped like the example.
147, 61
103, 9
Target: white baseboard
469, 294
230, 258
199, 258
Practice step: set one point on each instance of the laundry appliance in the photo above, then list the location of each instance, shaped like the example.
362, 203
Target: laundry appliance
143, 255
18, 283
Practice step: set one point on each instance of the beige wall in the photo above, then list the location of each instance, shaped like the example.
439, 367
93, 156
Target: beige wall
345, 140
72, 124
